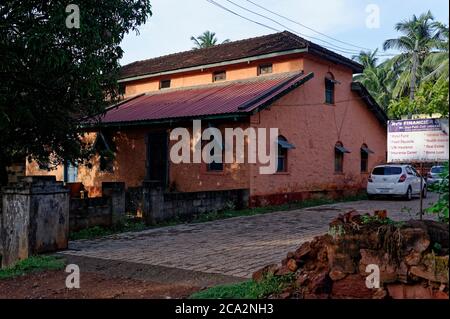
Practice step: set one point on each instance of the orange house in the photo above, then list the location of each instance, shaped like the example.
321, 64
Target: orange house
332, 131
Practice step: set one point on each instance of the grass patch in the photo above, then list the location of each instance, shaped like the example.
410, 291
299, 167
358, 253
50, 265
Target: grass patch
32, 264
133, 225
246, 290
99, 231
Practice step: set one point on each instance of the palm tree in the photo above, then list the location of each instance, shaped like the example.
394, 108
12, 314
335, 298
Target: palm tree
367, 59
205, 40
437, 62
378, 79
418, 39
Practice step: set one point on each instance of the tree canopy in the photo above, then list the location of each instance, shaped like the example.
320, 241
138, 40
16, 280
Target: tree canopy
419, 71
52, 76
205, 40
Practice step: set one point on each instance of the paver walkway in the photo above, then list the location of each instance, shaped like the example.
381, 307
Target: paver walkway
234, 247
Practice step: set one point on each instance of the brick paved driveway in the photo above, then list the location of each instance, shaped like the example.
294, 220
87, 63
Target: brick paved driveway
234, 247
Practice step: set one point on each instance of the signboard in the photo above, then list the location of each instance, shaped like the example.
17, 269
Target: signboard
421, 140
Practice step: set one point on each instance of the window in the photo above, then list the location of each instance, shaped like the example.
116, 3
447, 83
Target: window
365, 152
283, 147
329, 88
219, 76
339, 151
215, 166
164, 84
387, 170
265, 69
105, 148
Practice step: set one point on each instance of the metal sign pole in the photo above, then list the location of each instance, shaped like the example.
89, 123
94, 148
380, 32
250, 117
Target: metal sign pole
421, 191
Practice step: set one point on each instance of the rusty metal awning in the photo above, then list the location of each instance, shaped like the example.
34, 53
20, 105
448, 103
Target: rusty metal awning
232, 98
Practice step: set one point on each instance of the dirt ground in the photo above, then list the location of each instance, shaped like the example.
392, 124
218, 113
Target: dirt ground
51, 285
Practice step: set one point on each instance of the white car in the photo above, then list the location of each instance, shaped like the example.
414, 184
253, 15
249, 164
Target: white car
395, 180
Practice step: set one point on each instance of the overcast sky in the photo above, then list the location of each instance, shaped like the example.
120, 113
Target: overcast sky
175, 21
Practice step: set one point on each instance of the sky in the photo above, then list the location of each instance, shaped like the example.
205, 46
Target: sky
357, 23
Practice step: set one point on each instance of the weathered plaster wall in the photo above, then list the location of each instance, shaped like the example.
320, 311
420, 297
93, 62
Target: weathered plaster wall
234, 72
314, 128
35, 218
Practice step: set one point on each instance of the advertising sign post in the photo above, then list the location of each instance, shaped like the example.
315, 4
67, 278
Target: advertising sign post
417, 141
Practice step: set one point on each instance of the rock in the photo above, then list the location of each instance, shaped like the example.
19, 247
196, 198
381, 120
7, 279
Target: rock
264, 272
413, 258
337, 274
417, 291
420, 272
303, 251
352, 286
388, 270
414, 239
320, 283
283, 271
290, 255
292, 265
380, 293
381, 214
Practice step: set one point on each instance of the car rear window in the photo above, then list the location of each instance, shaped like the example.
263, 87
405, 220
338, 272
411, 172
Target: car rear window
387, 170
436, 170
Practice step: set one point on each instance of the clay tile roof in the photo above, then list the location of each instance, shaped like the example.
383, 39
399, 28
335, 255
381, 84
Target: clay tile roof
272, 43
234, 98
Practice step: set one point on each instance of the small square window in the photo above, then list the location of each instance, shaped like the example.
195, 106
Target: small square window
164, 84
265, 69
219, 76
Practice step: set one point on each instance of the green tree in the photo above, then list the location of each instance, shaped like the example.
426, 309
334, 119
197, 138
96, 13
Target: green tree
367, 58
419, 35
205, 40
378, 79
54, 77
436, 64
431, 97
440, 208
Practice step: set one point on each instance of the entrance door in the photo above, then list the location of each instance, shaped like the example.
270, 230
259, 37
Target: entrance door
157, 165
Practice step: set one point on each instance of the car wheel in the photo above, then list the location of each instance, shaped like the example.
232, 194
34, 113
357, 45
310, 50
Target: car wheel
424, 192
370, 196
408, 195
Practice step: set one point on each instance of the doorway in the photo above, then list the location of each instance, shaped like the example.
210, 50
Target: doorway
157, 157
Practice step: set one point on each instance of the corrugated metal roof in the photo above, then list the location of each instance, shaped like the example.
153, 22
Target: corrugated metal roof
233, 97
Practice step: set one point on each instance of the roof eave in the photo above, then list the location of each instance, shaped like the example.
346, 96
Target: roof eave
370, 102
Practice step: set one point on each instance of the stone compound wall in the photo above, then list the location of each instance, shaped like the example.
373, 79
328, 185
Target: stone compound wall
35, 218
103, 211
159, 205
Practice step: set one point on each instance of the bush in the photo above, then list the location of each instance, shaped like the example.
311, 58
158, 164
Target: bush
440, 208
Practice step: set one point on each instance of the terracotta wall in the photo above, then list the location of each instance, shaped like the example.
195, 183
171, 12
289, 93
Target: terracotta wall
129, 165
235, 72
314, 128
196, 177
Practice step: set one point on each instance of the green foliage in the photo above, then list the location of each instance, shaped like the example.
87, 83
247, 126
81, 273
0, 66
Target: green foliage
430, 98
246, 290
389, 82
99, 231
53, 77
370, 219
441, 207
32, 264
205, 40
